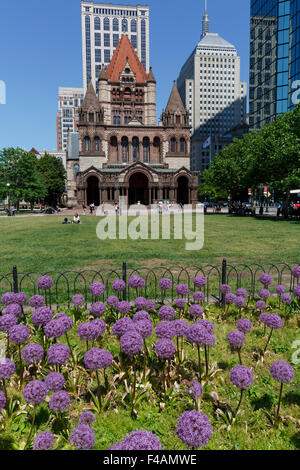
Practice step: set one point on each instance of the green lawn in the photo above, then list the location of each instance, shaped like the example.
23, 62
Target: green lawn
43, 244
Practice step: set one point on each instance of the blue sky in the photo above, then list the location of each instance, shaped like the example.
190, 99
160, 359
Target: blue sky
41, 50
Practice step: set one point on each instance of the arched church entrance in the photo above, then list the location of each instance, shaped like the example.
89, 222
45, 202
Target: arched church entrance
93, 193
183, 190
139, 189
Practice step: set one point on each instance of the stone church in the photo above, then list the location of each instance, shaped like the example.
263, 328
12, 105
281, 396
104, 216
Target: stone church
122, 151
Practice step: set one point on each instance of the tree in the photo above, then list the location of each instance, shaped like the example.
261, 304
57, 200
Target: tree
53, 176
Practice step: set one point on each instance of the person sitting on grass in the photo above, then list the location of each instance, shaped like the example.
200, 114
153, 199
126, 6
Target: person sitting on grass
76, 219
66, 221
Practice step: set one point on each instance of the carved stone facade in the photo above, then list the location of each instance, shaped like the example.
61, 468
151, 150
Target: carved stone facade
122, 153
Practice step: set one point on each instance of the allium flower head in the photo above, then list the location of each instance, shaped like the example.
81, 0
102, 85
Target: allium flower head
230, 299
165, 284
54, 381
195, 390
7, 369
241, 377
297, 291
198, 334
286, 299
32, 353
58, 354
180, 303
41, 316
124, 307
207, 325
35, 392
280, 290
2, 400
87, 417
98, 309
182, 289
165, 348
44, 441
131, 343
240, 301
13, 309
65, 320
194, 429
225, 289
18, 334
112, 301
260, 305
140, 303
266, 280
296, 272
7, 322
122, 326
166, 313
136, 282
44, 283
180, 327
97, 289
96, 359
78, 300
264, 294
244, 325
83, 437
119, 285
196, 311
151, 306
141, 315
200, 281
272, 320
20, 298
88, 331
8, 298
54, 329
59, 401
144, 328
165, 329
236, 339
36, 301
241, 292
199, 296
283, 372
139, 440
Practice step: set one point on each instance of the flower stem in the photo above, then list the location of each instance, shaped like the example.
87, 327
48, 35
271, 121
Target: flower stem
6, 397
99, 391
238, 407
199, 362
72, 355
240, 356
32, 425
21, 367
206, 360
134, 385
268, 340
280, 396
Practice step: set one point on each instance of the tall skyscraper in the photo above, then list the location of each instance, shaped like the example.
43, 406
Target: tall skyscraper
210, 88
274, 59
102, 27
69, 100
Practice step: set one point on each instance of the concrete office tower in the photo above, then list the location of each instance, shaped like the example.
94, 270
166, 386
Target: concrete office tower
102, 27
210, 88
69, 100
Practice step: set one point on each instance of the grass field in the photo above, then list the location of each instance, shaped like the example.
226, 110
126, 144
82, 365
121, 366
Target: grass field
43, 244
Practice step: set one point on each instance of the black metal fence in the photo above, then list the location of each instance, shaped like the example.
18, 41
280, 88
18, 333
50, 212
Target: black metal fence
68, 283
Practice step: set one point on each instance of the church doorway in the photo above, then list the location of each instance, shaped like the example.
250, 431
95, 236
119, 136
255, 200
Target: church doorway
93, 193
138, 189
183, 190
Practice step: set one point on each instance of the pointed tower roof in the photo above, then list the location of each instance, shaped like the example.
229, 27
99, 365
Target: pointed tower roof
151, 78
205, 22
175, 102
125, 53
102, 74
90, 99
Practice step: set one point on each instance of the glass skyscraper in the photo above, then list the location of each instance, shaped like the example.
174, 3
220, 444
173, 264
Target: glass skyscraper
274, 59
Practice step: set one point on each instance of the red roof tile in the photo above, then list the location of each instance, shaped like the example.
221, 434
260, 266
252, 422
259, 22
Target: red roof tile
125, 53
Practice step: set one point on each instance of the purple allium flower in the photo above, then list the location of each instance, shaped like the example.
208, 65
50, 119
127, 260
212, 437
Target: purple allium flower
65, 320
195, 390
198, 334
165, 284
264, 294
7, 322
280, 290
165, 329
166, 313
207, 325
225, 289
78, 300
97, 289
2, 400
240, 301
244, 325
118, 285
165, 348
36, 301
55, 381
41, 316
35, 392
97, 358
18, 334
44, 283
194, 429
199, 296
59, 401
58, 354
272, 320
286, 299
138, 440
7, 369
112, 301
141, 315
241, 377
55, 329
87, 417
236, 339
88, 331
124, 307
242, 293
230, 299
151, 306
180, 327
296, 272
266, 280
283, 372
32, 353
200, 281
297, 291
196, 311
8, 298
122, 326
131, 343
98, 309
83, 437
144, 328
44, 441
21, 298
180, 303
182, 289
13, 309
140, 303
260, 305
136, 282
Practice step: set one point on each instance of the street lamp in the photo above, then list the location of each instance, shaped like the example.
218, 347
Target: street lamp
8, 196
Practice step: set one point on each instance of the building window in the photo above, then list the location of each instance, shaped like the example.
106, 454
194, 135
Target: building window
143, 42
182, 145
146, 148
106, 24
133, 26
135, 148
97, 39
106, 56
115, 24
124, 149
173, 145
97, 144
134, 41
87, 144
76, 170
106, 40
97, 55
115, 40
97, 24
